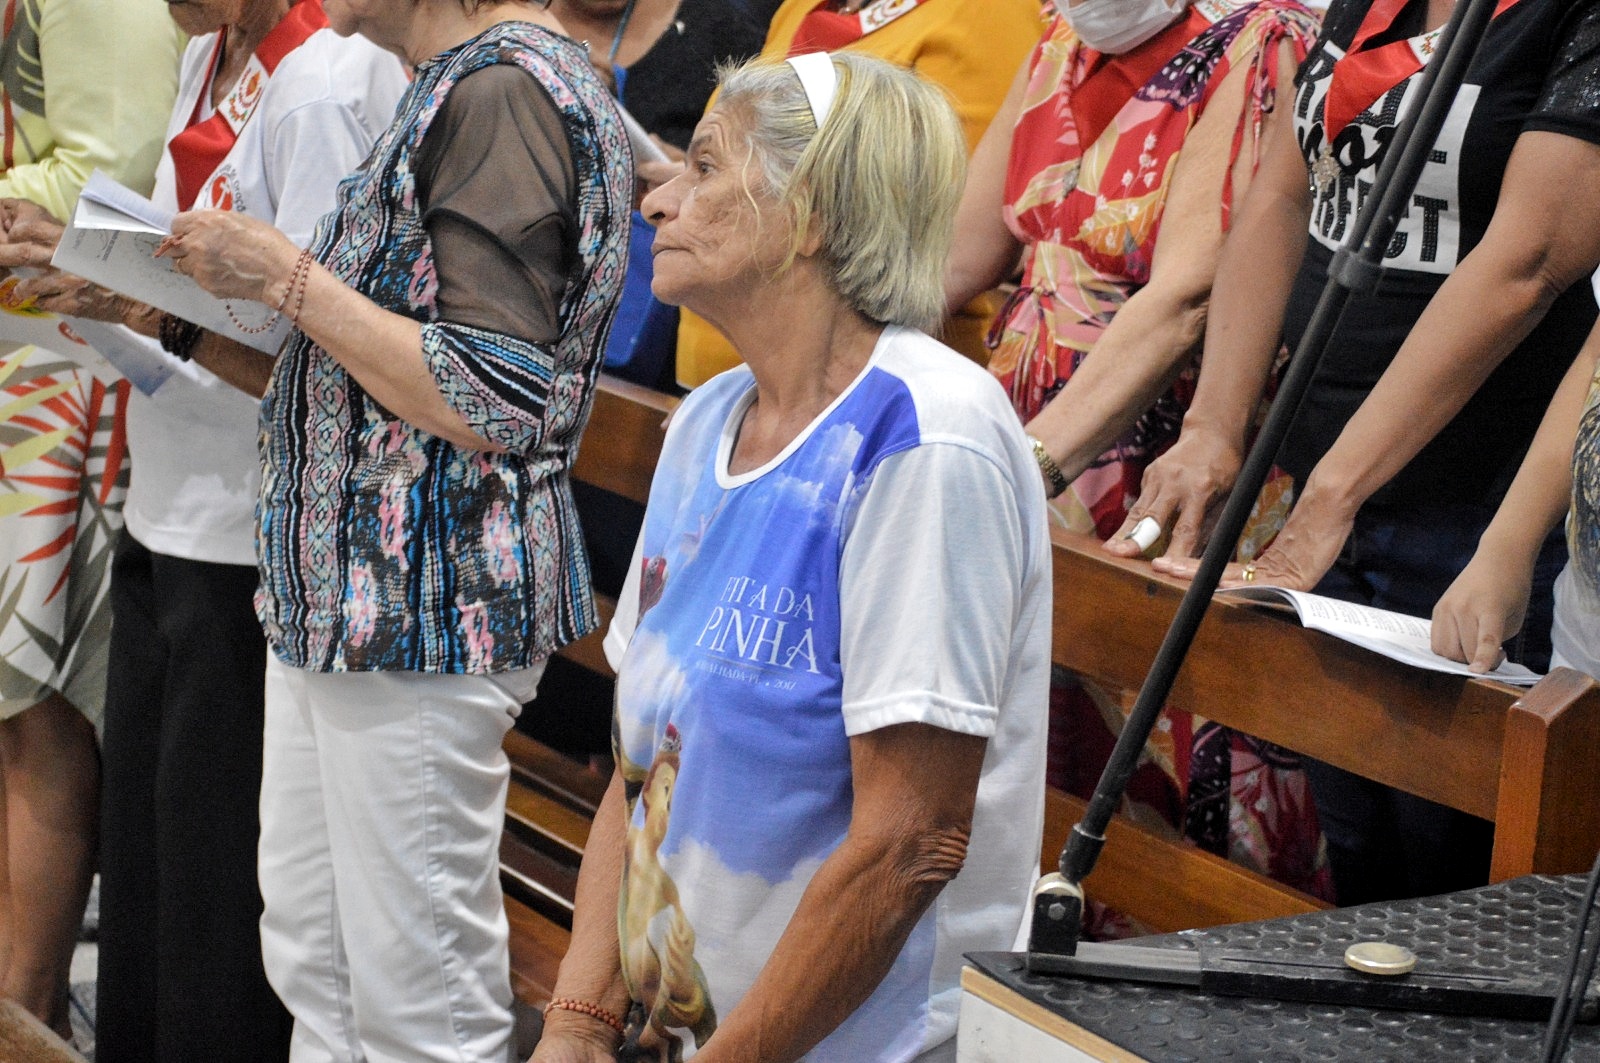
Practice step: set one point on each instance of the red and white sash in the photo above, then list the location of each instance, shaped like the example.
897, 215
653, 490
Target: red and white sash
1362, 75
823, 30
200, 148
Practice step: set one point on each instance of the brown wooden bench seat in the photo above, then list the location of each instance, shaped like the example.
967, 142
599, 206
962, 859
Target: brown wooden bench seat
550, 804
1522, 758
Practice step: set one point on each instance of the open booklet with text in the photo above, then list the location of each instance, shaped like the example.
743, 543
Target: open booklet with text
1399, 637
112, 240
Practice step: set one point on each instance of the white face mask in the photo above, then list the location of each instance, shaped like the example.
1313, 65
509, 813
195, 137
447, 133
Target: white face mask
1117, 26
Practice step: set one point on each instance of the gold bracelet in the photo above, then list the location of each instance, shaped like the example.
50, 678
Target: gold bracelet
1047, 465
583, 1007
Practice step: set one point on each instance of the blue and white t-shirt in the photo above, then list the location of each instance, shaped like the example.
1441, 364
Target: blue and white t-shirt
890, 566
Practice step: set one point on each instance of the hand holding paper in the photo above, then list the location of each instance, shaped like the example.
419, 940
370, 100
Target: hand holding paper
112, 241
1485, 606
28, 234
1407, 639
231, 255
71, 296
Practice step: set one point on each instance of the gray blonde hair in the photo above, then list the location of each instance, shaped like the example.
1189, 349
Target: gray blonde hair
879, 182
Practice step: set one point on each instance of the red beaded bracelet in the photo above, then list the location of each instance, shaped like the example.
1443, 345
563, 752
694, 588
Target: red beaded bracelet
583, 1007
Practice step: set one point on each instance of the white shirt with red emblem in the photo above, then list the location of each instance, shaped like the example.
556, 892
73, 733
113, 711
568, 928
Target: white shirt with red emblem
197, 470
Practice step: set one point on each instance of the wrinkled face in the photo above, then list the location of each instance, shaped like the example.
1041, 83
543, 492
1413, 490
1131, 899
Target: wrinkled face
198, 17
719, 232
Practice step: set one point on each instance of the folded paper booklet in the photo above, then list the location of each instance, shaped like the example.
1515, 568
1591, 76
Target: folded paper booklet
1394, 635
112, 240
110, 352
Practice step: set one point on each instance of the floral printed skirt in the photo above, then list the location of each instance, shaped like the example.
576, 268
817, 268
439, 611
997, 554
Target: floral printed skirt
63, 475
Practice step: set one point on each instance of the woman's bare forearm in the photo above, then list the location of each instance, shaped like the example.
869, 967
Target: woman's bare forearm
591, 971
1154, 336
985, 251
907, 838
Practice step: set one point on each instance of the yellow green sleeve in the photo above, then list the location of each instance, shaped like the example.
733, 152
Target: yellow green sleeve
110, 72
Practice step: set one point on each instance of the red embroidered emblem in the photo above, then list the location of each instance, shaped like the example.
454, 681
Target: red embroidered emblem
222, 191
243, 99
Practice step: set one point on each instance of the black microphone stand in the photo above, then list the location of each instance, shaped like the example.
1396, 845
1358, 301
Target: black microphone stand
1357, 267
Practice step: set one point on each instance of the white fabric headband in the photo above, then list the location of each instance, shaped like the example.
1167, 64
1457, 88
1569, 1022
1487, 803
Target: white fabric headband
819, 79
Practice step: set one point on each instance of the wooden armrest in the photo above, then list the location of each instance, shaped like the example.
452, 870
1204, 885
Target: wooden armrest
623, 440
1547, 819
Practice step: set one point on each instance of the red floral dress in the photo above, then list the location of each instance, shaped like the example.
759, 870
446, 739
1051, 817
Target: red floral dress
1089, 217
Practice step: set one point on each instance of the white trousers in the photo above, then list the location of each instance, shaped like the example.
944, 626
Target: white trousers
382, 803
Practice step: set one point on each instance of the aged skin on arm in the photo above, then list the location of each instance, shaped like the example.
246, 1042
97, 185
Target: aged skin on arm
914, 791
591, 971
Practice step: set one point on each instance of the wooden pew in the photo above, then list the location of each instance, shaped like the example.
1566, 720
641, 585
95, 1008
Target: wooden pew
618, 454
623, 439
549, 807
1524, 759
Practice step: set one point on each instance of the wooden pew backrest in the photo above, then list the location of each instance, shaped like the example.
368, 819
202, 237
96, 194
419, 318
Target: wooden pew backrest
623, 439
1522, 759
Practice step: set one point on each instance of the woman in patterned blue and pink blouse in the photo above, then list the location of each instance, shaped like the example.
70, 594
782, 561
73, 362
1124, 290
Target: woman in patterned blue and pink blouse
418, 548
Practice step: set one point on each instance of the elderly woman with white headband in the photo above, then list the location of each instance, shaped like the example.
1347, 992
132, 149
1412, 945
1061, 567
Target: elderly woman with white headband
833, 645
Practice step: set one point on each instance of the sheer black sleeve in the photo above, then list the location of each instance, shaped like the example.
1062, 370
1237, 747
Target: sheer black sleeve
497, 191
1570, 100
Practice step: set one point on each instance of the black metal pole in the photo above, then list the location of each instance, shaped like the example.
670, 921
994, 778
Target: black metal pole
1058, 900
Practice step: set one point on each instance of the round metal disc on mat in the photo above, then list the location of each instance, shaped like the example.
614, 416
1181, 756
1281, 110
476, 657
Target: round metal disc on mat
1380, 957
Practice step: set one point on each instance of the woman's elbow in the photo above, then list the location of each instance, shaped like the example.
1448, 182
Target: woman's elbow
929, 859
1537, 286
962, 284
1181, 304
1528, 267
458, 433
942, 855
